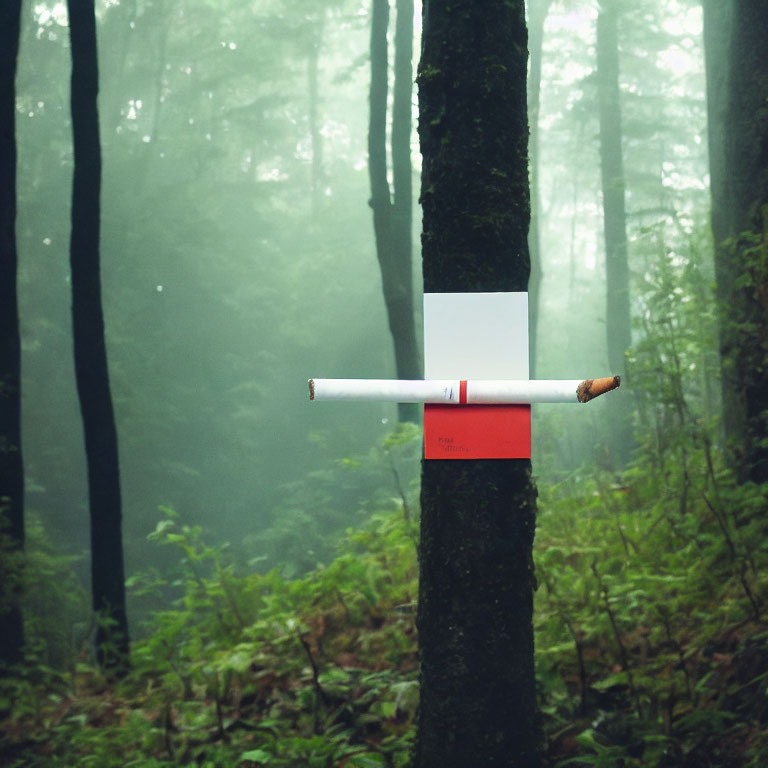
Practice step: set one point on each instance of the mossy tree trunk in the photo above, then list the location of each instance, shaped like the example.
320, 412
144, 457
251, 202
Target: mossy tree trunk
107, 576
737, 91
617, 319
392, 216
11, 465
478, 516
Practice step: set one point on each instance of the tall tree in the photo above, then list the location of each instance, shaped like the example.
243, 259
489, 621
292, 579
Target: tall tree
478, 516
392, 208
107, 573
737, 92
617, 319
11, 465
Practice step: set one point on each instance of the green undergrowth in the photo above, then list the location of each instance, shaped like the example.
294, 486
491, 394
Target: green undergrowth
243, 670
651, 636
652, 644
651, 628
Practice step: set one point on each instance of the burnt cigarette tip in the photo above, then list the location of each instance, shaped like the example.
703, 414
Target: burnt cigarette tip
589, 389
311, 383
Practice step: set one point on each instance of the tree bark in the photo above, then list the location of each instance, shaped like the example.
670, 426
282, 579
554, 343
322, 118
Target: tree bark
737, 92
107, 575
392, 218
617, 319
478, 516
11, 465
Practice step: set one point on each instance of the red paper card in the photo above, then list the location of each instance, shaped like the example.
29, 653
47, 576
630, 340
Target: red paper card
476, 336
477, 431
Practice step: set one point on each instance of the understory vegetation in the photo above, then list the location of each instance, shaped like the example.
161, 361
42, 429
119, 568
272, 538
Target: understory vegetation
651, 632
652, 645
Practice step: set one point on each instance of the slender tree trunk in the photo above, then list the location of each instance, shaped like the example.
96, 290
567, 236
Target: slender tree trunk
717, 25
392, 219
408, 358
108, 582
11, 465
478, 516
537, 15
737, 92
617, 320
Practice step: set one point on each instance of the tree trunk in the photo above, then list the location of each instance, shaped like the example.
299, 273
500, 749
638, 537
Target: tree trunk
617, 319
408, 357
537, 15
11, 465
717, 24
737, 92
108, 583
478, 516
392, 219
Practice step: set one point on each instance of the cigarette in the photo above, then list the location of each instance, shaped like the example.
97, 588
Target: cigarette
462, 392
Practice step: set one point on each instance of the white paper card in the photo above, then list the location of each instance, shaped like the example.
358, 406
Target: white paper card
476, 335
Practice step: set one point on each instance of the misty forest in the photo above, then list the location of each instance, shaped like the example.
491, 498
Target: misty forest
205, 203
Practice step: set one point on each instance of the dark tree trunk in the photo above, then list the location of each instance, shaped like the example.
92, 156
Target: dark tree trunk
537, 15
408, 357
478, 516
108, 583
617, 320
717, 24
392, 218
737, 92
11, 465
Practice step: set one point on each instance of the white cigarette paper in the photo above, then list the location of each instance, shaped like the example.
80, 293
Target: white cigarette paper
487, 392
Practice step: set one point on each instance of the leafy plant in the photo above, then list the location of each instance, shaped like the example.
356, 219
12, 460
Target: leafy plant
244, 668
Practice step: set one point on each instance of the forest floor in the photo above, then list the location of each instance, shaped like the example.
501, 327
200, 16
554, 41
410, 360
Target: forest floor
651, 631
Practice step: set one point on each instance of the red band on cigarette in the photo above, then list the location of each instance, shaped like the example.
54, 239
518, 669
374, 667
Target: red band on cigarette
463, 392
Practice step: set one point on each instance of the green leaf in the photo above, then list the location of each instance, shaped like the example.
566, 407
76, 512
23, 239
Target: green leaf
255, 756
